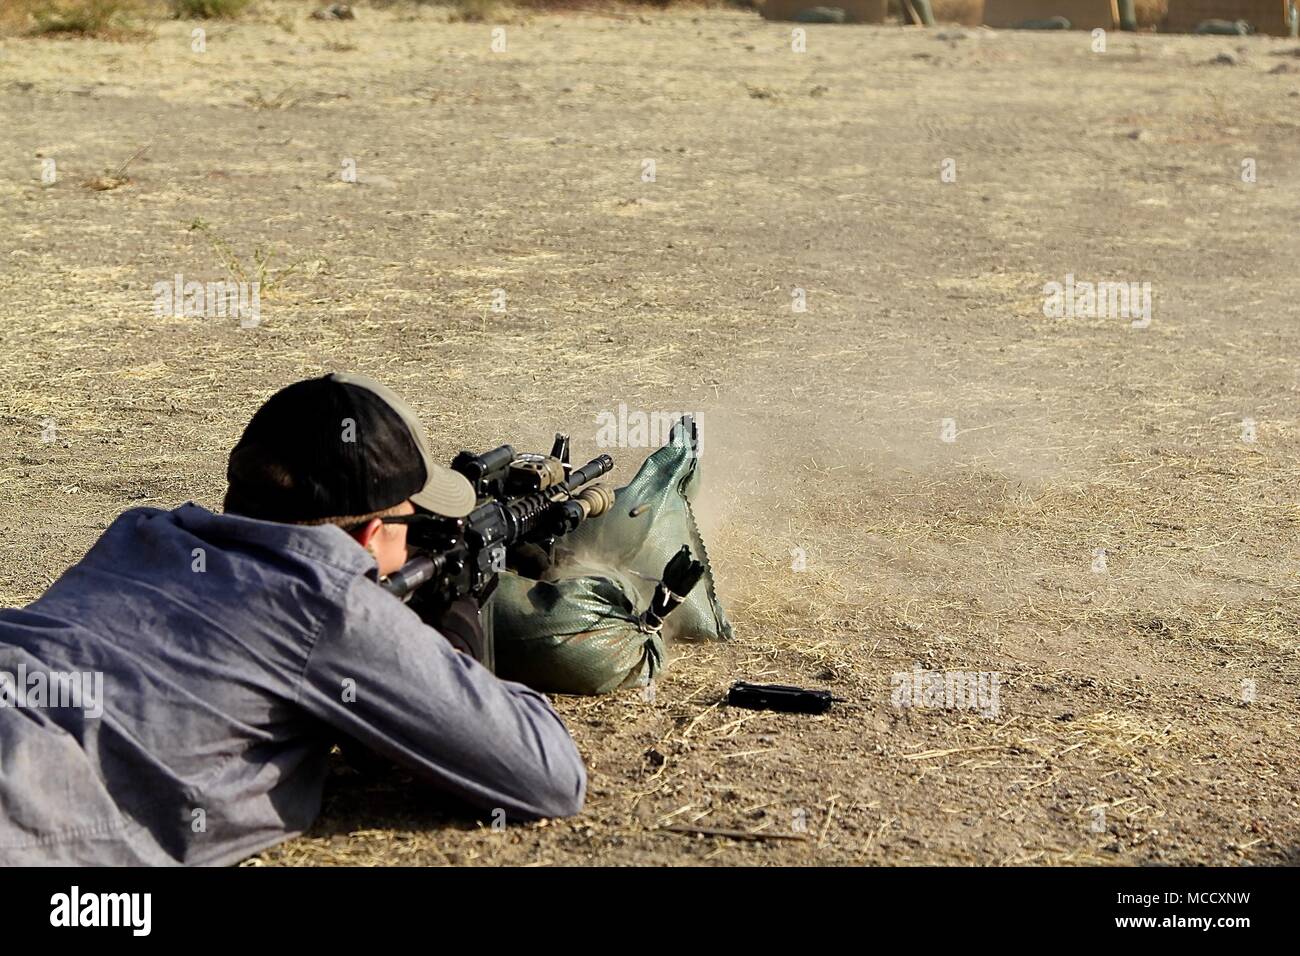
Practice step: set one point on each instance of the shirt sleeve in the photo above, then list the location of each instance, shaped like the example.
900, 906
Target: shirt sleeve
398, 687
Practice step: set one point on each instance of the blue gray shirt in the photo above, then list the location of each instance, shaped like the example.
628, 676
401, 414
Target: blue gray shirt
231, 653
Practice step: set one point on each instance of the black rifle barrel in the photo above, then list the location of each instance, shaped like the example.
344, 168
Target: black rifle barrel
600, 465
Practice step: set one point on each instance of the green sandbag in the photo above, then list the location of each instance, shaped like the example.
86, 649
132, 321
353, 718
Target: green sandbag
578, 629
578, 635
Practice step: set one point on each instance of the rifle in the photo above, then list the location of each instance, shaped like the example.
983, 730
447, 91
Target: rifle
523, 499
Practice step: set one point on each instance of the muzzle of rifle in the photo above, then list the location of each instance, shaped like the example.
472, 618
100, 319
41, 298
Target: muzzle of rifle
600, 465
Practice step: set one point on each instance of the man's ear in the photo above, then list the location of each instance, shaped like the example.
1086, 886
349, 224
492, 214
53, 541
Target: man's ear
367, 533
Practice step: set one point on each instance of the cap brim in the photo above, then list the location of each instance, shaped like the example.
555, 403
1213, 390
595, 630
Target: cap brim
447, 493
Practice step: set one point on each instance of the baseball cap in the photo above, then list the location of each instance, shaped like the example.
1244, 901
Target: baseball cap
338, 446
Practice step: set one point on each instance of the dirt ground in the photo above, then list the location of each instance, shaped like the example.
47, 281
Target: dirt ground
1114, 529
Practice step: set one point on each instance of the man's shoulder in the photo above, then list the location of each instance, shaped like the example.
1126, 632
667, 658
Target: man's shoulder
191, 523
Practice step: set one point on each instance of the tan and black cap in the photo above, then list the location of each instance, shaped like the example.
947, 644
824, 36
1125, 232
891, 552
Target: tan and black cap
334, 447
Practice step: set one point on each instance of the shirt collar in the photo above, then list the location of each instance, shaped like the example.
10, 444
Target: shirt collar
327, 543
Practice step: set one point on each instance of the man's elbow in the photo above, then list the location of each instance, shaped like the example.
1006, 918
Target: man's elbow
565, 791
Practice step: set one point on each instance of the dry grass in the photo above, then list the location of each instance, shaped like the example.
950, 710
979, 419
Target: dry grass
967, 12
971, 12
1122, 690
124, 18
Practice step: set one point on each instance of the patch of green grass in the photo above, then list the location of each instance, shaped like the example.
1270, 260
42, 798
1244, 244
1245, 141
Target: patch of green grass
259, 271
474, 11
91, 18
208, 9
